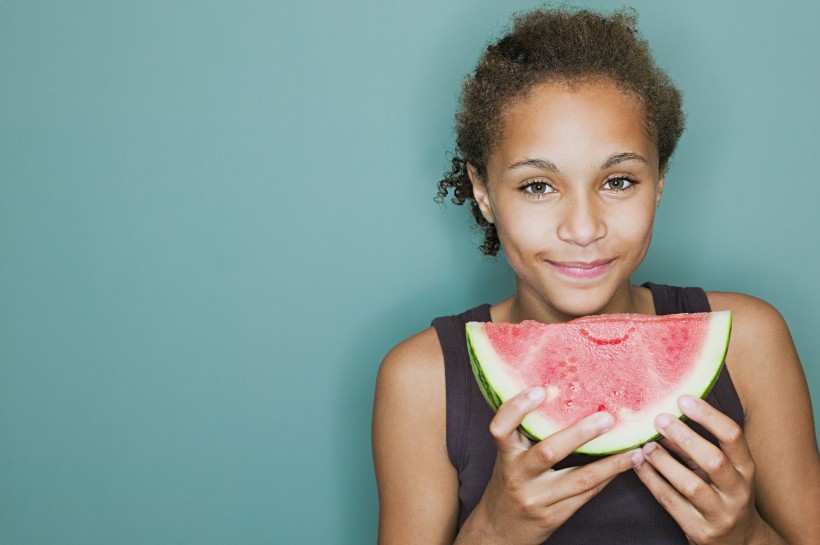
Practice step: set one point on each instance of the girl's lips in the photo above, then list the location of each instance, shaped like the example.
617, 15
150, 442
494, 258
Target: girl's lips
581, 269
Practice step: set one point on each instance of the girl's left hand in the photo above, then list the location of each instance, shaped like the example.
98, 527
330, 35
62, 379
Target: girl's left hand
710, 495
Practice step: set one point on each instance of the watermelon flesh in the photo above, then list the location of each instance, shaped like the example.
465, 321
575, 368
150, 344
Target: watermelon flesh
633, 366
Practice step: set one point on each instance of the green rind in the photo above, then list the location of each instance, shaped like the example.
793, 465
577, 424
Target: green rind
495, 399
490, 394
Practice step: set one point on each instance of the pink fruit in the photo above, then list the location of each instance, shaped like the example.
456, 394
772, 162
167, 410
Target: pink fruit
633, 366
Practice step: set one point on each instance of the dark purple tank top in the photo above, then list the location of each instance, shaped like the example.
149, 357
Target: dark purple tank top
624, 512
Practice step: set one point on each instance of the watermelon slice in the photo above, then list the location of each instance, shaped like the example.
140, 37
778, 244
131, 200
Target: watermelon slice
633, 366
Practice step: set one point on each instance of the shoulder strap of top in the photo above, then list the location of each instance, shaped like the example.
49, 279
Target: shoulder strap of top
672, 300
457, 375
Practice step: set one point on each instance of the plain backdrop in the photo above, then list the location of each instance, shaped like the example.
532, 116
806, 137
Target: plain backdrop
217, 217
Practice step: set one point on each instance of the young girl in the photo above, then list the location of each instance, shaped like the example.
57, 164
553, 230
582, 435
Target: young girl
563, 139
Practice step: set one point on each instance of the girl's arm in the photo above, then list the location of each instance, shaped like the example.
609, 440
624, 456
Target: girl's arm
418, 486
779, 427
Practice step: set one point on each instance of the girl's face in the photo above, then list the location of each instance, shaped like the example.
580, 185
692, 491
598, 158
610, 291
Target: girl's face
572, 187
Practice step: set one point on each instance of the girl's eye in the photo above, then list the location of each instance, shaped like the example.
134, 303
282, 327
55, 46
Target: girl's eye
618, 184
537, 188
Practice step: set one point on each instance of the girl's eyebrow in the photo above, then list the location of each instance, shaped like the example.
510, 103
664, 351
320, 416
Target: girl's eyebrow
549, 166
541, 164
621, 157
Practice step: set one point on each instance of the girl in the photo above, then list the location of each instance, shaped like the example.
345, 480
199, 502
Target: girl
563, 139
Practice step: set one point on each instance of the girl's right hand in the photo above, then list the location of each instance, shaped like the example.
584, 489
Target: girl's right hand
526, 500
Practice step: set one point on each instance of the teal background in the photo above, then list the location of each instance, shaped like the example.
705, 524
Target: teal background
217, 217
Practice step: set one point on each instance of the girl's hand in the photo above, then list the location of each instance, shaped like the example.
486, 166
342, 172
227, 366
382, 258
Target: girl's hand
525, 500
710, 495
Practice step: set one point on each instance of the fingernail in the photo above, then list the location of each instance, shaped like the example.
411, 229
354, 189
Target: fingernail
649, 447
536, 394
605, 421
637, 458
687, 403
663, 420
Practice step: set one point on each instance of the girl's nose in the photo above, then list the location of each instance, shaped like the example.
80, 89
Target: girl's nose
581, 220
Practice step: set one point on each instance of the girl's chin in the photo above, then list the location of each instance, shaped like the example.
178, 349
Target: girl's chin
581, 299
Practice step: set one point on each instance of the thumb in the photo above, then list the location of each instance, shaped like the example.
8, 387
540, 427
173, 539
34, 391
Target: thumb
504, 425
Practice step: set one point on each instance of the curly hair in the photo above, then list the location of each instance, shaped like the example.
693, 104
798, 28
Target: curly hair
549, 45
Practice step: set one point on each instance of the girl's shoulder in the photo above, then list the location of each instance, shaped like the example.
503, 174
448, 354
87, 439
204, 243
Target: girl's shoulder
418, 357
760, 345
758, 329
747, 305
755, 323
410, 386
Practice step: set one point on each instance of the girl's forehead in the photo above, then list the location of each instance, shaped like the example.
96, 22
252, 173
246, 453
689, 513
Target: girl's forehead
574, 97
593, 117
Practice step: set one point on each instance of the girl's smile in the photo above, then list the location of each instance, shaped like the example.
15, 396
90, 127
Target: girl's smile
581, 269
572, 187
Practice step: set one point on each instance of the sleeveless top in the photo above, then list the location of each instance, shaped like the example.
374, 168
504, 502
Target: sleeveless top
624, 512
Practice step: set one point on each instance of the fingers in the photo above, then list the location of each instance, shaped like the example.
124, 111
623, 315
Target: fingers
714, 463
678, 506
558, 494
568, 506
545, 501
698, 507
684, 458
582, 482
727, 467
725, 430
675, 450
509, 416
697, 491
717, 479
554, 448
546, 453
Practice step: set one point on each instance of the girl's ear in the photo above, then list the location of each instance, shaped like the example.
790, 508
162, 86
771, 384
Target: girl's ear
660, 192
663, 169
480, 193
